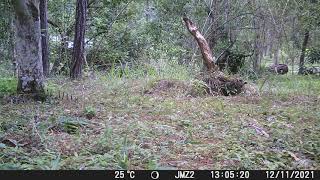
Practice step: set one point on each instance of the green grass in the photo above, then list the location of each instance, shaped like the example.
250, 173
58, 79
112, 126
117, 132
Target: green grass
7, 86
131, 130
289, 85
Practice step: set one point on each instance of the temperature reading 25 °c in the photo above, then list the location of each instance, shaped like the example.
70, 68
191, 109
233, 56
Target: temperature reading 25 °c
122, 174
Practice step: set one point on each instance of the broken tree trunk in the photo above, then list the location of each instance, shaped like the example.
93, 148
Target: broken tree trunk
215, 80
208, 59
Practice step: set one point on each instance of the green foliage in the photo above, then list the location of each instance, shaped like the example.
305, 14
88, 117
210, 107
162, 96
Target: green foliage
199, 88
89, 112
313, 55
139, 130
70, 125
309, 14
8, 86
104, 143
152, 165
5, 29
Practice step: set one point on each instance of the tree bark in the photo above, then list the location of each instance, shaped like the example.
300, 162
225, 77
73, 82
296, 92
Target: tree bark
256, 51
303, 52
12, 49
276, 55
147, 10
208, 59
28, 47
44, 36
212, 11
257, 39
78, 45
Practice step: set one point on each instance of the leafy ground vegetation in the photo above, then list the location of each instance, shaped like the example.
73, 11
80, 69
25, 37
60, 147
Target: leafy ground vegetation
161, 122
145, 93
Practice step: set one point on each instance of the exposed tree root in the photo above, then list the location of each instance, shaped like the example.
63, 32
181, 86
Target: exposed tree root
217, 82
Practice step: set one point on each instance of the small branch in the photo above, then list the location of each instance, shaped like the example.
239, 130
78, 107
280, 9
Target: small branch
224, 52
53, 23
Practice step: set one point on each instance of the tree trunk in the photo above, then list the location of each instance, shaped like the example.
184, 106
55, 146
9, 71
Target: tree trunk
257, 48
256, 55
147, 10
62, 53
12, 49
212, 11
303, 51
257, 39
216, 81
276, 55
78, 45
28, 47
208, 59
44, 36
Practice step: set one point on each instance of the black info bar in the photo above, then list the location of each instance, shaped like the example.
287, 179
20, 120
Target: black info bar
162, 174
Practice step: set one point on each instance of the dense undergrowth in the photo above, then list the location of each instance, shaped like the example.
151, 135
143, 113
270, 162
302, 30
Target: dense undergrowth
113, 123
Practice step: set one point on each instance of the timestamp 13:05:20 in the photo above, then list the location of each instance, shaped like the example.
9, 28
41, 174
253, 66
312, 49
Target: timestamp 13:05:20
230, 174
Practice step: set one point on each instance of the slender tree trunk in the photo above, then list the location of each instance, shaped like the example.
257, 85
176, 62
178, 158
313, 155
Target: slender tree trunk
303, 51
147, 9
12, 49
256, 54
208, 59
276, 55
56, 67
213, 12
257, 34
28, 47
295, 34
257, 47
272, 42
44, 36
267, 50
78, 45
227, 27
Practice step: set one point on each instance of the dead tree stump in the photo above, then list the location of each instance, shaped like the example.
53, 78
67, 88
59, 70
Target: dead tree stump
215, 80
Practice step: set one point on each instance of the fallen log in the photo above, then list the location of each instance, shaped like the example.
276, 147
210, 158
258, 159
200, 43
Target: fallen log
312, 70
279, 68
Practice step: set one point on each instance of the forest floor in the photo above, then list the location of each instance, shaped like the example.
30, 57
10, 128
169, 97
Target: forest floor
140, 124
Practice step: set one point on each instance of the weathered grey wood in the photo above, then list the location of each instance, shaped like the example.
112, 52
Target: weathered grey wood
28, 46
